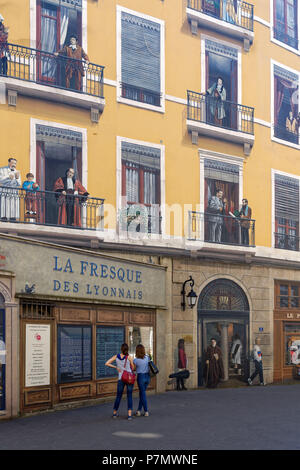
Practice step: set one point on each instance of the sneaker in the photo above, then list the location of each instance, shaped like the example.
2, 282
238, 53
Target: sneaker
146, 413
115, 415
138, 413
129, 418
249, 381
262, 383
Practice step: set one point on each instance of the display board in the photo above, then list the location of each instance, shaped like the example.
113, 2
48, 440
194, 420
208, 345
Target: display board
37, 365
74, 353
108, 343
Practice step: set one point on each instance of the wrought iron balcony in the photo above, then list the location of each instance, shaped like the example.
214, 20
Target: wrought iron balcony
142, 95
27, 65
214, 117
51, 208
285, 38
221, 229
286, 242
233, 18
140, 219
283, 133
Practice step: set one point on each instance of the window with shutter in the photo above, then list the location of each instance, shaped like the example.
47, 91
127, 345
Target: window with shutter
140, 59
286, 212
141, 187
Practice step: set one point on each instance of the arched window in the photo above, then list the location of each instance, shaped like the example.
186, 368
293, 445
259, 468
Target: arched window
223, 295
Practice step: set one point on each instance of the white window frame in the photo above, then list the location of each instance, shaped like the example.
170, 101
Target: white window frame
273, 225
204, 37
33, 24
83, 131
276, 139
221, 157
276, 41
119, 141
120, 99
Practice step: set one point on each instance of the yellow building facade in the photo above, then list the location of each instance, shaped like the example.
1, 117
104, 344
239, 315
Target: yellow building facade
171, 102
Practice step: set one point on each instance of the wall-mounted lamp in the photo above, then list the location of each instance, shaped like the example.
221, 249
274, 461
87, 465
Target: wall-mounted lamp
191, 296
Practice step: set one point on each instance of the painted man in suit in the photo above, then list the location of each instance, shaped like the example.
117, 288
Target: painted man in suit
215, 219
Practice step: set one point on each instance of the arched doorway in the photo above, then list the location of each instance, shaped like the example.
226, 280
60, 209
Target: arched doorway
223, 313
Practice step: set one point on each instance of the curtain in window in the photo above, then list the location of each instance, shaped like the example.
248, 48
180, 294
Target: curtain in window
291, 19
279, 8
280, 86
132, 183
48, 42
64, 23
140, 53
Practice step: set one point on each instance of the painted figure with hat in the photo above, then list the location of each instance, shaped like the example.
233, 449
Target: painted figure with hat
74, 65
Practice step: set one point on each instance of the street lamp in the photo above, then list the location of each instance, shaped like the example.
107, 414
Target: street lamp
191, 296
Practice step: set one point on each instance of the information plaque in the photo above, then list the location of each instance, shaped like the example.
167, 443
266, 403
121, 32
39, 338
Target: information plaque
108, 343
37, 363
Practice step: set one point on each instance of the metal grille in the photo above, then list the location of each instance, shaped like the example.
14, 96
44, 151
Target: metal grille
223, 295
35, 309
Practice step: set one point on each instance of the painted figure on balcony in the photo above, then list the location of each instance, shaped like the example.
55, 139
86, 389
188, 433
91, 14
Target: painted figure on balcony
31, 187
215, 210
229, 11
214, 368
245, 214
71, 195
74, 65
10, 180
292, 127
3, 46
217, 94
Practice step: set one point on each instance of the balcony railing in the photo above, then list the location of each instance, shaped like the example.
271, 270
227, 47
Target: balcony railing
33, 65
142, 95
216, 112
236, 12
282, 36
286, 242
51, 208
283, 133
223, 229
140, 219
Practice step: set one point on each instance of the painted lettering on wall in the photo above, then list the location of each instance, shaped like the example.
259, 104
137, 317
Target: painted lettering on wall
93, 272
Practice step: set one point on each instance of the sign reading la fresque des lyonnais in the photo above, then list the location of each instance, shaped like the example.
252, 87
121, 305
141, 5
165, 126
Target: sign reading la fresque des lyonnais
45, 270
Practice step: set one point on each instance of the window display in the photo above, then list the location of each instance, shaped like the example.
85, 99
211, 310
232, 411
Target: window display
292, 343
74, 353
140, 335
108, 343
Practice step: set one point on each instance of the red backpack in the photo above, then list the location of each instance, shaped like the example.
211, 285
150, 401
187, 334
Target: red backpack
128, 377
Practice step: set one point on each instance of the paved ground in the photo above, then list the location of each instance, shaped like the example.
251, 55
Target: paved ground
250, 418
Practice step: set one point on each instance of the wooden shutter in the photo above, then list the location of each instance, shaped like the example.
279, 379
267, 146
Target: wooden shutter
286, 197
140, 53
